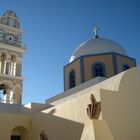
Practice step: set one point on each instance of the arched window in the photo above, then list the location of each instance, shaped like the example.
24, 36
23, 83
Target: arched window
72, 79
125, 67
2, 94
98, 69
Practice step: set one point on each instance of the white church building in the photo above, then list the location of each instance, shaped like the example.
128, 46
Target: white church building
100, 99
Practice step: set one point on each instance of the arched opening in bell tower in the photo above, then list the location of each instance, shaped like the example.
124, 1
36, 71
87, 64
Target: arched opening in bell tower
2, 93
7, 93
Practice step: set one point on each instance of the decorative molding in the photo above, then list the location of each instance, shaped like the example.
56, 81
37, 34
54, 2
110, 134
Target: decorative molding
12, 48
115, 65
12, 29
82, 74
93, 109
11, 77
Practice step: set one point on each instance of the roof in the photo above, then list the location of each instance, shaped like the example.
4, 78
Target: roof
97, 46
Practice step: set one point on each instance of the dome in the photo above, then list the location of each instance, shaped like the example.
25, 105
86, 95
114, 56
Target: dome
97, 46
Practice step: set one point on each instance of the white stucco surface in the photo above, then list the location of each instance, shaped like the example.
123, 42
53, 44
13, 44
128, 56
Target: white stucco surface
97, 46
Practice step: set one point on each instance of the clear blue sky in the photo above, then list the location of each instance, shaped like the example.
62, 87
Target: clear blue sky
54, 28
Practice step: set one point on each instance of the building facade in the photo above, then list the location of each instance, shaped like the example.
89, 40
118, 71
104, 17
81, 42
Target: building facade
100, 99
11, 52
96, 57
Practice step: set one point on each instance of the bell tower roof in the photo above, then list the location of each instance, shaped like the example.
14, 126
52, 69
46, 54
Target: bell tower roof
10, 13
10, 18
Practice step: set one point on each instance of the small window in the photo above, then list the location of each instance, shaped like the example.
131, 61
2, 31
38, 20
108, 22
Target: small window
98, 69
125, 67
72, 79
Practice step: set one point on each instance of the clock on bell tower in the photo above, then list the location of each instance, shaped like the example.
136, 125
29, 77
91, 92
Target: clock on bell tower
11, 52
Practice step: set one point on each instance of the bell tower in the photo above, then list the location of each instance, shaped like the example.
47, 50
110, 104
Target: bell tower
11, 52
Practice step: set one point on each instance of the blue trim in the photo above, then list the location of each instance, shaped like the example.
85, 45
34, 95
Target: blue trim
125, 56
64, 78
72, 70
135, 63
114, 59
82, 70
109, 53
93, 68
115, 66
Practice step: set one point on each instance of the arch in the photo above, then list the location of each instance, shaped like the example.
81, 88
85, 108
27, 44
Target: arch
13, 54
72, 79
98, 69
4, 52
3, 95
19, 133
8, 83
6, 92
125, 67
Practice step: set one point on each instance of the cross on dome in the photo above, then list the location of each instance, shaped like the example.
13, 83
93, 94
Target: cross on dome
95, 30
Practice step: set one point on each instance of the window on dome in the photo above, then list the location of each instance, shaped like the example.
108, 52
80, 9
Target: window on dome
72, 79
125, 67
98, 69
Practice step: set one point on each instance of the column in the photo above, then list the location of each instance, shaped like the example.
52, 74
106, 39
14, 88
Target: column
18, 67
0, 63
12, 96
3, 65
7, 96
7, 68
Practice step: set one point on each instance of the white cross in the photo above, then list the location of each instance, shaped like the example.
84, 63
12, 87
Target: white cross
95, 30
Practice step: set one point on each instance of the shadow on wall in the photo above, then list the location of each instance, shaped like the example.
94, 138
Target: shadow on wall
56, 128
120, 109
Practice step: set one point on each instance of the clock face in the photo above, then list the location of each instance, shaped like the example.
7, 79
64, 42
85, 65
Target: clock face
10, 39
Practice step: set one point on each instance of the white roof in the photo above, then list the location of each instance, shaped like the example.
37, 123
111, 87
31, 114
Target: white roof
97, 46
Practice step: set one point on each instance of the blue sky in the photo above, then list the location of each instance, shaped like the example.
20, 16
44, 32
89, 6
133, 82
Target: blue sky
54, 28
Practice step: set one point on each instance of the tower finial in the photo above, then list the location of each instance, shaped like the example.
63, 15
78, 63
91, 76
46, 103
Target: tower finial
95, 30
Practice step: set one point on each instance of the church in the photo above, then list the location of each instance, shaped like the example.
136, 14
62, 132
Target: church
100, 99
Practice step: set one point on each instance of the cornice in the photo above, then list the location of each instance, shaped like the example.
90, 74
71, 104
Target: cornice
12, 77
11, 29
12, 48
